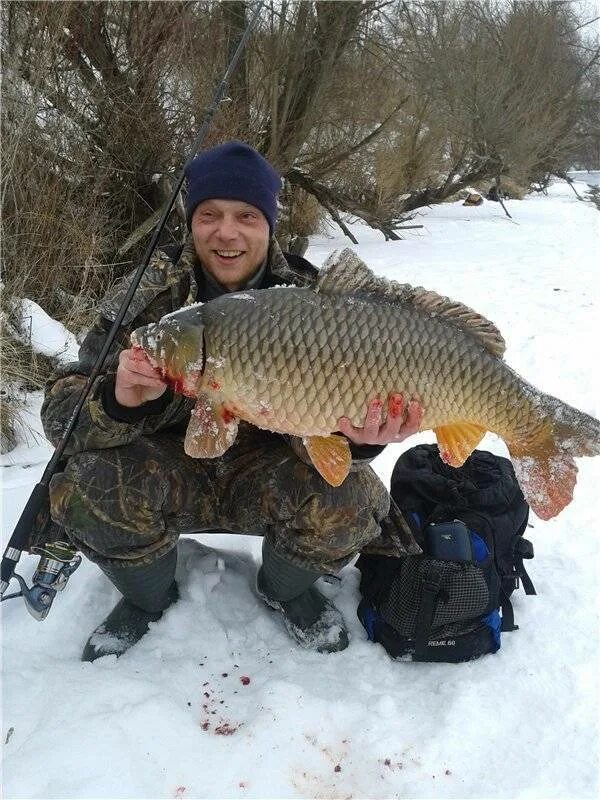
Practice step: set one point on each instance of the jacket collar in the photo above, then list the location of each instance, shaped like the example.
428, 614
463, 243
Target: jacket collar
276, 264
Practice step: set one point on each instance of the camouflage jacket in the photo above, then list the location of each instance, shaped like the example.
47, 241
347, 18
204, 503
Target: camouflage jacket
172, 280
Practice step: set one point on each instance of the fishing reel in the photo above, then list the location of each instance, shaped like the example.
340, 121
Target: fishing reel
57, 563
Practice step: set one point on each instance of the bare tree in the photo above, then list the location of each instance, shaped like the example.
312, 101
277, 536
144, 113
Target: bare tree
367, 109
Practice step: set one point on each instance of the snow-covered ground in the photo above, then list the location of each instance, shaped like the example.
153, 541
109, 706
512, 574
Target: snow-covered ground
591, 177
173, 719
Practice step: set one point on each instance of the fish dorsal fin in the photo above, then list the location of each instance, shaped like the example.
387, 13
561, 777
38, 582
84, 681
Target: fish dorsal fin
344, 273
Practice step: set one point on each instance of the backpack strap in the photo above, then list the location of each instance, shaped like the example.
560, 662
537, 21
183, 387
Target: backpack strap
524, 549
508, 615
429, 597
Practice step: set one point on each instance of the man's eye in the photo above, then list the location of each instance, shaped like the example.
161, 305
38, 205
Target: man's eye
248, 216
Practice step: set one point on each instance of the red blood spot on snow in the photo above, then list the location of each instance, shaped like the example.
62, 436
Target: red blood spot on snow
225, 729
179, 791
205, 725
245, 680
337, 768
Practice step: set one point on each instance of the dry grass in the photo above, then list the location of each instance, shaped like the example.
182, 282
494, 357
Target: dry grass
514, 188
22, 370
300, 215
593, 195
10, 420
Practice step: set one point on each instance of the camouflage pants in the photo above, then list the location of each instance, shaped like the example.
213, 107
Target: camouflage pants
131, 503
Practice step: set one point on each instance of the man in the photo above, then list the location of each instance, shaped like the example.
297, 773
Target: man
129, 491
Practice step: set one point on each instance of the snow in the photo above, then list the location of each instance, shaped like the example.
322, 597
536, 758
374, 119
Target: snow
47, 336
591, 177
173, 717
243, 296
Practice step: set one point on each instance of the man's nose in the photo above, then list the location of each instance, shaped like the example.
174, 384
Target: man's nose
228, 228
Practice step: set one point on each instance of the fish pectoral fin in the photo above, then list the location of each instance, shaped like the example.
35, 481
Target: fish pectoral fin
456, 442
211, 430
331, 457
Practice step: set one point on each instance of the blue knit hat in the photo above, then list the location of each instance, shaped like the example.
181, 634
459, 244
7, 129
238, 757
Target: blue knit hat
232, 171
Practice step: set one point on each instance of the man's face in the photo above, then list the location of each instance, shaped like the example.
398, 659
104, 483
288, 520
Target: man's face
231, 240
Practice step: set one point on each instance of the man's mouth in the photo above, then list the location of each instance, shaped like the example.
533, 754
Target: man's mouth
229, 255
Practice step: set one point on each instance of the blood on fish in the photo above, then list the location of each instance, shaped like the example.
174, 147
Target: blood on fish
175, 382
214, 384
396, 405
227, 416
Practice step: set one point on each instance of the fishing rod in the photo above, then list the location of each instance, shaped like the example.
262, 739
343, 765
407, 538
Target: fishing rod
59, 560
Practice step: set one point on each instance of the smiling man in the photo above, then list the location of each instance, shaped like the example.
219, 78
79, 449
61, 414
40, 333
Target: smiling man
230, 238
128, 491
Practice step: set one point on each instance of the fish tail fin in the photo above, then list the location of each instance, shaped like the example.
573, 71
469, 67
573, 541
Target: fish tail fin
545, 465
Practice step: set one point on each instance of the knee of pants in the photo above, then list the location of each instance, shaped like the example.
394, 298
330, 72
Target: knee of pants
108, 505
332, 524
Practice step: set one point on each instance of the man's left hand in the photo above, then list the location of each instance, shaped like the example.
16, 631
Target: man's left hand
396, 428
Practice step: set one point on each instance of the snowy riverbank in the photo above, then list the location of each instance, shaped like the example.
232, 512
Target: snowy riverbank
522, 723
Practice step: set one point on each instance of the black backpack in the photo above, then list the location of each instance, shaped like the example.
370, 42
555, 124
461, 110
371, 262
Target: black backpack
445, 604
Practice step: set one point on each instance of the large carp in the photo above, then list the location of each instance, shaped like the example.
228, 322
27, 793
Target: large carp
295, 360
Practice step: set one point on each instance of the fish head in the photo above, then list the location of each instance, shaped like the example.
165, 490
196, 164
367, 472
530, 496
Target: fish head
175, 348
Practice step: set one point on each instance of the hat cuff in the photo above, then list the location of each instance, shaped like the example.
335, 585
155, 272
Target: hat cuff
218, 186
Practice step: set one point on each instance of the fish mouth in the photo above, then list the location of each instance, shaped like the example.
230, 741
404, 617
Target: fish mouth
180, 364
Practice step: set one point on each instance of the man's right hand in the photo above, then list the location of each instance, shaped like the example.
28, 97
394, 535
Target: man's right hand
137, 381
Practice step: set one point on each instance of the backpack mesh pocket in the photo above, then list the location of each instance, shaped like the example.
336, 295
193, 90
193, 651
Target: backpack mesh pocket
463, 594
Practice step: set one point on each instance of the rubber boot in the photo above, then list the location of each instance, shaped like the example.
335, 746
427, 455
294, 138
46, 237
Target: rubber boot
147, 591
311, 620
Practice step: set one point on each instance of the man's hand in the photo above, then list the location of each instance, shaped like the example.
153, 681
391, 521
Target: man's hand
396, 428
137, 381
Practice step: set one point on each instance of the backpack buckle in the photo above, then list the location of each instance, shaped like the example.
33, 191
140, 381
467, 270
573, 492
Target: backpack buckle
524, 548
433, 581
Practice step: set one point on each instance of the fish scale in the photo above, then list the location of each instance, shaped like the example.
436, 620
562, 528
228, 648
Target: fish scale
291, 324
294, 360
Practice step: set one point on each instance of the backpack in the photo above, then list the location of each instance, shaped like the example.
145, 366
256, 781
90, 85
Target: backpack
451, 602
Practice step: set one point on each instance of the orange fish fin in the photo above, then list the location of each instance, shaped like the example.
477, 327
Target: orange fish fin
547, 482
544, 461
456, 442
211, 430
331, 457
